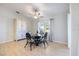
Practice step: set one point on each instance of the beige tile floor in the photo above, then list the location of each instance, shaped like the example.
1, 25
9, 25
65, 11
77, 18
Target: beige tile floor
17, 49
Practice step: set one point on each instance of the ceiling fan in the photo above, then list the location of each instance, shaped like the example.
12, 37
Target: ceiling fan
37, 14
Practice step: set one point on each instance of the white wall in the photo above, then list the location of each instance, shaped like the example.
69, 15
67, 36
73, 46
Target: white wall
34, 25
74, 29
7, 25
60, 28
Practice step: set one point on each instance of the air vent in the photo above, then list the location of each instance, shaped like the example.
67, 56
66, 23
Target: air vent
17, 12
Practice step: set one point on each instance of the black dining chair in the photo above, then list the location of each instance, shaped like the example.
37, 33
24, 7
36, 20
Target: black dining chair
44, 39
29, 40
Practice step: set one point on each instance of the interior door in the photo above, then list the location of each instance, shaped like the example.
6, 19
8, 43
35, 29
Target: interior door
18, 29
51, 37
21, 28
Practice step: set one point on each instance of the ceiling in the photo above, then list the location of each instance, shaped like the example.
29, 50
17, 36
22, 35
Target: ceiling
45, 9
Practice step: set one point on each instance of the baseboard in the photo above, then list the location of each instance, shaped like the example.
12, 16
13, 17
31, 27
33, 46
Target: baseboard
11, 40
21, 39
6, 41
61, 42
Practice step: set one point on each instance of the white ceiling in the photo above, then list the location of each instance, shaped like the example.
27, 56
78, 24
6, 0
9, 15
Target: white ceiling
46, 9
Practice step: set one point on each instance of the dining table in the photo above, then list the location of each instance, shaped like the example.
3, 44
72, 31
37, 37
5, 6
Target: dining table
37, 39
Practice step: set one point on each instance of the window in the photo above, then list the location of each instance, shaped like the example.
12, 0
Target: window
43, 26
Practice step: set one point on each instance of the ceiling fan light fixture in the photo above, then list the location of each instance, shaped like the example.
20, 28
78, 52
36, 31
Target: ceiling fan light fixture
35, 17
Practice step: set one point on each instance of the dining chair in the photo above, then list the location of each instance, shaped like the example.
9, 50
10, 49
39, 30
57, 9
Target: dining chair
44, 39
29, 40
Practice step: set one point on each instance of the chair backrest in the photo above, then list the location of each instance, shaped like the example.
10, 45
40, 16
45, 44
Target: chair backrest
45, 35
28, 36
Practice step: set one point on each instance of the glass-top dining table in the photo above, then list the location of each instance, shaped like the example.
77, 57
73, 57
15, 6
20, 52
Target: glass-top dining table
37, 39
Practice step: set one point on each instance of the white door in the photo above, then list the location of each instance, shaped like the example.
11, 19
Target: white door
18, 29
51, 37
21, 28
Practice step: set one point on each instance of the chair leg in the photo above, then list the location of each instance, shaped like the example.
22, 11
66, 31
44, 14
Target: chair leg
26, 44
44, 44
30, 46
